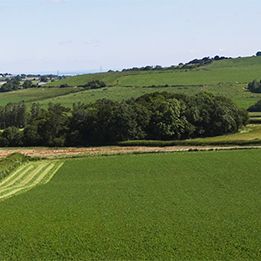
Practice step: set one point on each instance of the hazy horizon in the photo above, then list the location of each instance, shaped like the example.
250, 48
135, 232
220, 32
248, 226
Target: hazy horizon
82, 36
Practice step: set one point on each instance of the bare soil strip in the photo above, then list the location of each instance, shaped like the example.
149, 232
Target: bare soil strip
28, 176
110, 150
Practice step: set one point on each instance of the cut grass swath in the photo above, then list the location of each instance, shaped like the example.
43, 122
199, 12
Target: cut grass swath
28, 176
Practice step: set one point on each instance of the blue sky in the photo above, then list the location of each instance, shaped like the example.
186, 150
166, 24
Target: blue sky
84, 35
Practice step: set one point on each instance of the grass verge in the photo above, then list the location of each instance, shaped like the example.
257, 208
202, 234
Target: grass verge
251, 135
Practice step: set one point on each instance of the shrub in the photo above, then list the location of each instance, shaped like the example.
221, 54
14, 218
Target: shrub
95, 84
64, 85
254, 86
256, 107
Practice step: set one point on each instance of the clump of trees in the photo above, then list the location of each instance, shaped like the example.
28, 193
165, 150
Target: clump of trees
28, 84
24, 81
11, 85
254, 86
156, 116
203, 61
44, 78
95, 84
256, 107
16, 84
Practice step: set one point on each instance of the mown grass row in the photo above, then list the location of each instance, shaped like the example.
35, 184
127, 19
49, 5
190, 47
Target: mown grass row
255, 114
255, 120
10, 163
27, 176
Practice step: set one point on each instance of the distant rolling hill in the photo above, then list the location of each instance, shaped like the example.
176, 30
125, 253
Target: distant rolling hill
226, 77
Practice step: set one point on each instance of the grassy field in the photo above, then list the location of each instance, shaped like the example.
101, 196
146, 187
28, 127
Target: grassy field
234, 71
34, 95
238, 93
250, 135
180, 206
228, 78
109, 78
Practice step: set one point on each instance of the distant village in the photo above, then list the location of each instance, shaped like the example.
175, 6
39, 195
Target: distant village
10, 82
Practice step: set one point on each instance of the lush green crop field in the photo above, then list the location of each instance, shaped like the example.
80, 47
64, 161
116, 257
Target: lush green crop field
34, 95
180, 206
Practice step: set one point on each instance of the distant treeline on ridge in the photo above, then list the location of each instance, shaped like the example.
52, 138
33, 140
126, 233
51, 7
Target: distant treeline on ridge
190, 65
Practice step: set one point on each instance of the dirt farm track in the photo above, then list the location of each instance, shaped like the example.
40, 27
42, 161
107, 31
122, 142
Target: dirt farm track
67, 152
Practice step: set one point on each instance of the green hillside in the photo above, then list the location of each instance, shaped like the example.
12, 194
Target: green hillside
226, 77
236, 92
233, 71
34, 95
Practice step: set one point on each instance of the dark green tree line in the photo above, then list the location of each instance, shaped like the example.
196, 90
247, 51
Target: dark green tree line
13, 115
158, 116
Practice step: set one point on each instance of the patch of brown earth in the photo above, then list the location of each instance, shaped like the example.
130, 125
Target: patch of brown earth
51, 152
